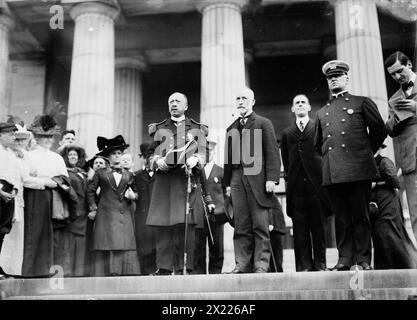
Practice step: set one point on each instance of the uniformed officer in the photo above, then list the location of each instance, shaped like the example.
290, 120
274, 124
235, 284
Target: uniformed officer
349, 130
168, 202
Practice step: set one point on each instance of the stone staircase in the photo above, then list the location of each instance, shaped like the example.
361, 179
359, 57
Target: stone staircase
346, 285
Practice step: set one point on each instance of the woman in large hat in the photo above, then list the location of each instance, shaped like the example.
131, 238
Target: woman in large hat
43, 166
75, 160
114, 237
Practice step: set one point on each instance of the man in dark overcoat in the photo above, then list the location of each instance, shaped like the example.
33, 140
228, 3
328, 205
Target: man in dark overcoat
179, 145
349, 130
145, 235
302, 166
251, 170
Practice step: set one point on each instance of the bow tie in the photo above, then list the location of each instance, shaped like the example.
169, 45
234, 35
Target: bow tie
406, 86
117, 169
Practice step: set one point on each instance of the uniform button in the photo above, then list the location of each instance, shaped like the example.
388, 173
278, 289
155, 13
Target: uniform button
327, 113
183, 137
343, 133
327, 124
343, 120
327, 104
329, 135
343, 145
330, 148
172, 138
170, 145
347, 99
344, 109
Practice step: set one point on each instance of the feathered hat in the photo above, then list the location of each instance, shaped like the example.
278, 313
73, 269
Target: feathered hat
105, 146
45, 124
21, 130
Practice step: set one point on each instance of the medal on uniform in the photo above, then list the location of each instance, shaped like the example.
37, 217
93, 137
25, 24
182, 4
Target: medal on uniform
350, 111
216, 180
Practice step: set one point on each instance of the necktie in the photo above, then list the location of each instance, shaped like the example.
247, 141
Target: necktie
301, 125
242, 121
408, 85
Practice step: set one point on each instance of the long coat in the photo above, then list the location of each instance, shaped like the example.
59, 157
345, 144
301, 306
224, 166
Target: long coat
258, 139
114, 228
298, 153
145, 235
343, 140
169, 194
404, 133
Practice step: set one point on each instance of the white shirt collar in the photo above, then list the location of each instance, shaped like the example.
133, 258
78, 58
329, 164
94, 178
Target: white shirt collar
208, 168
247, 114
182, 118
337, 95
304, 120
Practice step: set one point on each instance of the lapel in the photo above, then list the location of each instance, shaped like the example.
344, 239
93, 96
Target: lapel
251, 120
309, 127
112, 181
413, 92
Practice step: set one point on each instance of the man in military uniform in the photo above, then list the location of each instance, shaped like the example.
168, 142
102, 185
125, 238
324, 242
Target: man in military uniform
349, 130
179, 145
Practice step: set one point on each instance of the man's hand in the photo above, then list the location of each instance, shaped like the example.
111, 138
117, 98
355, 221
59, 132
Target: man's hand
162, 165
228, 191
92, 215
406, 105
192, 162
211, 207
6, 196
270, 186
50, 183
129, 194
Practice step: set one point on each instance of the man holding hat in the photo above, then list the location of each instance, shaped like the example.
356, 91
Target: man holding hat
349, 130
402, 126
9, 180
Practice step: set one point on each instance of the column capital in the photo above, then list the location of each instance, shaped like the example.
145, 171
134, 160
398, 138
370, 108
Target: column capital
136, 62
7, 21
203, 5
99, 7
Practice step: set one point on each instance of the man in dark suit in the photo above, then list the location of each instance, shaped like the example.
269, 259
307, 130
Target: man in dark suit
145, 235
168, 202
251, 170
213, 176
402, 126
302, 166
349, 130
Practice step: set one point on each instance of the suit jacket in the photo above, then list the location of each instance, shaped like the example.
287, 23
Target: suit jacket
258, 139
114, 229
343, 140
404, 133
168, 205
298, 153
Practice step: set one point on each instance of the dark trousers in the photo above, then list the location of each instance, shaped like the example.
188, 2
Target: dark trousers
350, 203
6, 216
277, 243
309, 227
170, 247
216, 249
251, 236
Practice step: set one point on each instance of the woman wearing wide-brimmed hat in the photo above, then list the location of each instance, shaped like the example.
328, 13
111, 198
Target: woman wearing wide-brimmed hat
44, 165
75, 159
114, 237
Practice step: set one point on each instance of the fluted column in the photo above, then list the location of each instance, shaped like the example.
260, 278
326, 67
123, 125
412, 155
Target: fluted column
91, 98
6, 24
358, 42
128, 102
222, 66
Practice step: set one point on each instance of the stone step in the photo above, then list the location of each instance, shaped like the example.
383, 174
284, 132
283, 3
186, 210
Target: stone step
223, 286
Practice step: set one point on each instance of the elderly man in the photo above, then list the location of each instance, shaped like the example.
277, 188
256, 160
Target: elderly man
178, 150
402, 126
349, 130
250, 181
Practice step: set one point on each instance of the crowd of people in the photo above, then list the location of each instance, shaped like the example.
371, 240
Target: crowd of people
99, 217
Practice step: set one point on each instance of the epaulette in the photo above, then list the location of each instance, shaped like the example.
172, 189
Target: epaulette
203, 127
152, 127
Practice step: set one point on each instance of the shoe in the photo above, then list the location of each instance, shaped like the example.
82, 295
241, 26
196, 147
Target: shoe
340, 267
161, 272
181, 272
365, 266
235, 271
260, 270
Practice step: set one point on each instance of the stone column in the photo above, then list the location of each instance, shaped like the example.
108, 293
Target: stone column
358, 42
91, 98
222, 66
128, 104
6, 24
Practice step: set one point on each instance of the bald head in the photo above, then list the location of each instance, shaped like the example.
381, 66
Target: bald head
177, 104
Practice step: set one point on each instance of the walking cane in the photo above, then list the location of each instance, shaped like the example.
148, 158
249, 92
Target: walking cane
207, 221
187, 211
273, 258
